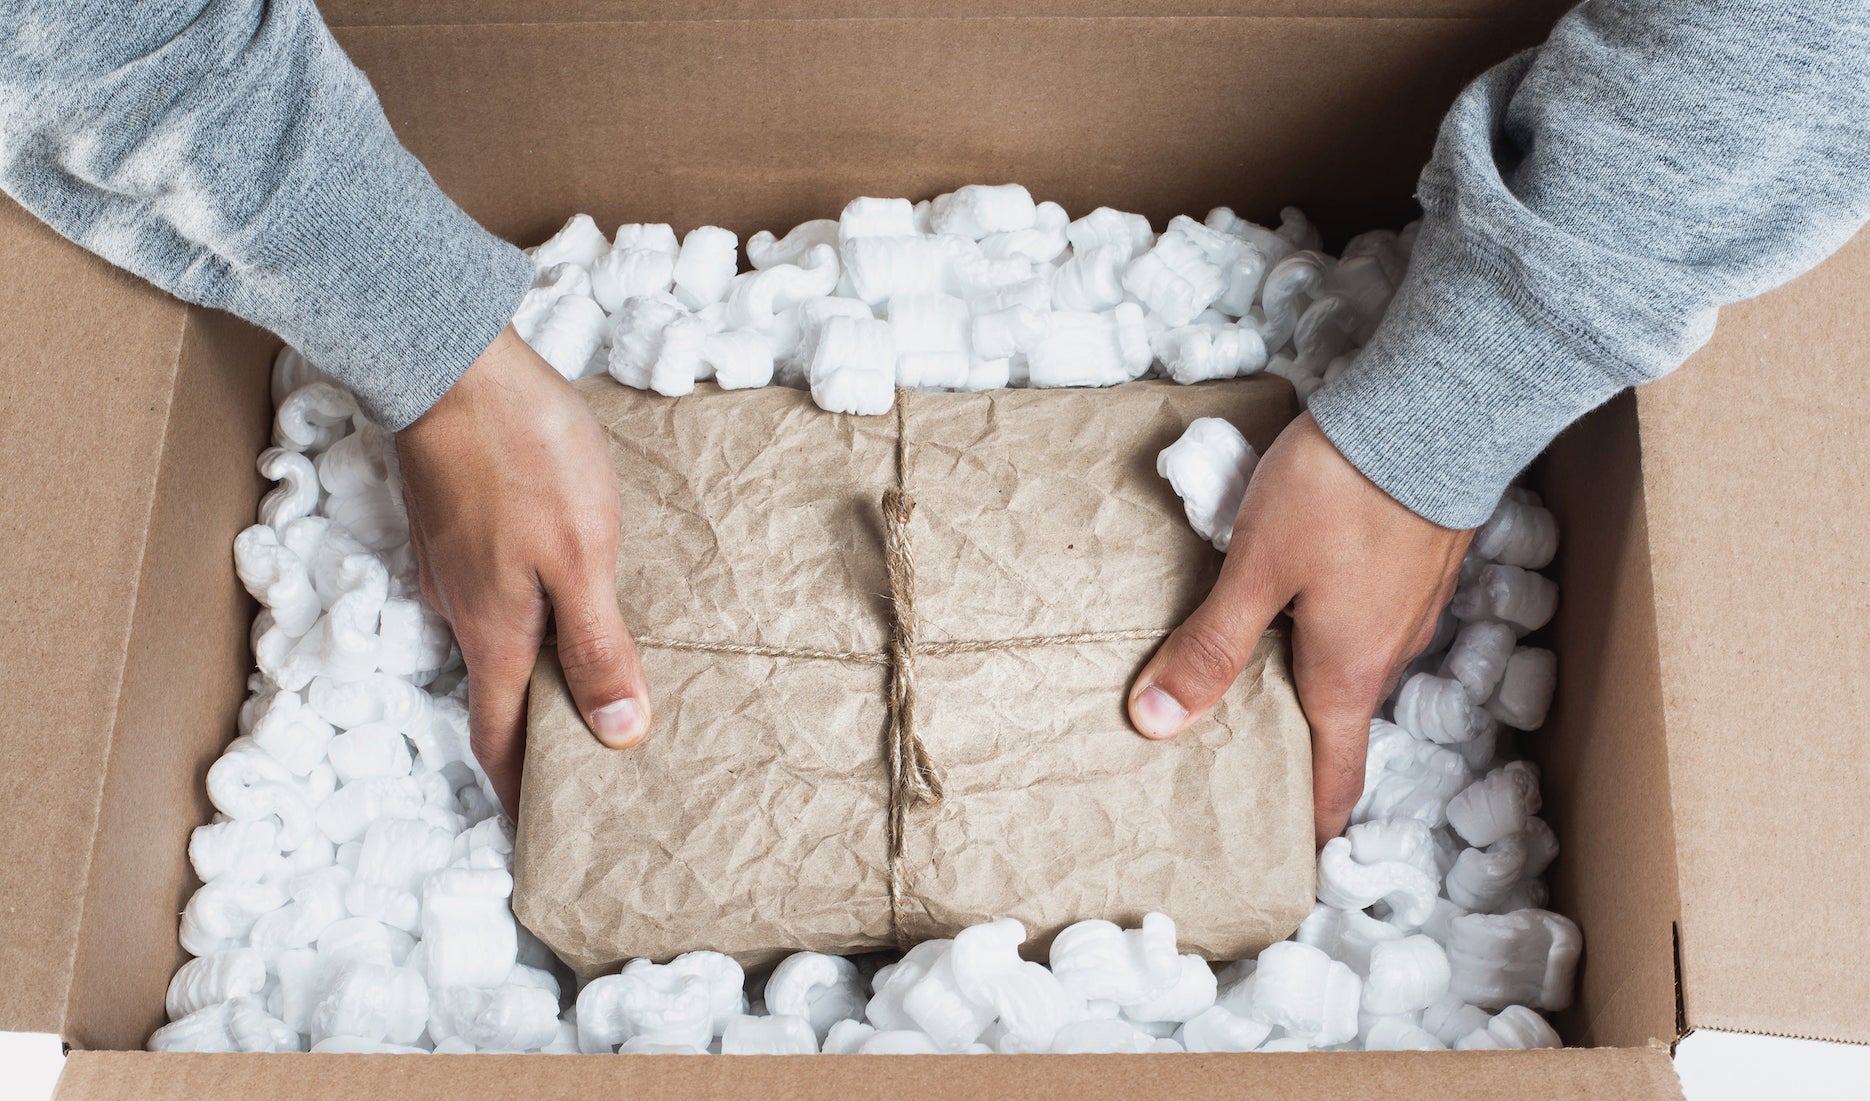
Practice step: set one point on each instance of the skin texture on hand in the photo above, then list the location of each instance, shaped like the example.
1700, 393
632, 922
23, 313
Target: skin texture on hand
1364, 580
513, 515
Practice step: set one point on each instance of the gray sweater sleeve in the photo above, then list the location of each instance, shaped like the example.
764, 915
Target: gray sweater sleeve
1590, 205
228, 151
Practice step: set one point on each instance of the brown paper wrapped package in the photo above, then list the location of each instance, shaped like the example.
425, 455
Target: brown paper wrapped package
756, 818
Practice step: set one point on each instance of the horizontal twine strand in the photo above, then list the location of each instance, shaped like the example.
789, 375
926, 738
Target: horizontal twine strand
882, 657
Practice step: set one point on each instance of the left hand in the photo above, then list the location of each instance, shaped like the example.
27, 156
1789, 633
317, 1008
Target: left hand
1364, 579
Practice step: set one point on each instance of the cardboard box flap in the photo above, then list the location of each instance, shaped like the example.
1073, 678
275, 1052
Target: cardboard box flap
87, 362
365, 13
1756, 460
1603, 1074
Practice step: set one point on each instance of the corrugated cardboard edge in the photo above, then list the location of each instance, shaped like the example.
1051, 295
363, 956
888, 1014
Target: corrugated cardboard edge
1603, 1074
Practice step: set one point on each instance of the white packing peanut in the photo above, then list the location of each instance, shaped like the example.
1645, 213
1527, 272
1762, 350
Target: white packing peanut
298, 492
1439, 710
213, 979
240, 1024
1515, 1028
1497, 804
933, 341
1091, 349
1313, 997
1509, 594
776, 1034
1519, 533
1350, 884
570, 335
1176, 279
978, 210
578, 242
1209, 467
468, 931
766, 251
1107, 227
1478, 657
547, 288
641, 261
853, 367
1406, 976
1528, 957
1408, 777
1525, 690
645, 1002
820, 989
372, 1002
243, 851
1199, 353
1097, 960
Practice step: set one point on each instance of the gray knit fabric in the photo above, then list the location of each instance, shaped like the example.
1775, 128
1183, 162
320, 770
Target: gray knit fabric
228, 151
1589, 206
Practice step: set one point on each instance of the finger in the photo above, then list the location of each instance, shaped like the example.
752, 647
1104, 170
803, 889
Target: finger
1200, 660
499, 651
599, 657
1340, 687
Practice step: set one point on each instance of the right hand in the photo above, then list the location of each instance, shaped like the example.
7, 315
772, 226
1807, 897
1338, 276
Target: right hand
513, 515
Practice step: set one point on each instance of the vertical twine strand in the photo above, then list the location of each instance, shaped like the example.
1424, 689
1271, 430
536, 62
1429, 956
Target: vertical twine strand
914, 780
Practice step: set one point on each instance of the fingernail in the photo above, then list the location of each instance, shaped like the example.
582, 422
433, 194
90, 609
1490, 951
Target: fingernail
1157, 713
618, 725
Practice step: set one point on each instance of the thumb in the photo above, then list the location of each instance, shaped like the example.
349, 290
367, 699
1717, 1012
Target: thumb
600, 659
1200, 660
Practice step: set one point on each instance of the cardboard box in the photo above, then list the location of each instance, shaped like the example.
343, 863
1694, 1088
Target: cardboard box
1703, 763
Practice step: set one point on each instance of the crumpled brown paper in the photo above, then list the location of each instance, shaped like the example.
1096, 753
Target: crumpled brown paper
753, 819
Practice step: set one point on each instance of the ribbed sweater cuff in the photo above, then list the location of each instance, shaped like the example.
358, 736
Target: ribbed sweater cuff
378, 277
1463, 384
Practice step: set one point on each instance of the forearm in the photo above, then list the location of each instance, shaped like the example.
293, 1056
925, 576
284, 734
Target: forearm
230, 153
1589, 207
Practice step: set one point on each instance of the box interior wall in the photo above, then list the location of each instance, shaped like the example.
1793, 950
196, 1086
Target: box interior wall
1345, 149
758, 118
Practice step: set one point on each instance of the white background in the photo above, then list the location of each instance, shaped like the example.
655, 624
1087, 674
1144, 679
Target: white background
1715, 1066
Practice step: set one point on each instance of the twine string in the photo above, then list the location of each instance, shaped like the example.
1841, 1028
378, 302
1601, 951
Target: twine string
915, 779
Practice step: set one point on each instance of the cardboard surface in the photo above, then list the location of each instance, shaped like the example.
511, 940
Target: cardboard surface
1742, 642
753, 820
1600, 1074
411, 13
1757, 471
755, 123
81, 345
192, 619
1602, 754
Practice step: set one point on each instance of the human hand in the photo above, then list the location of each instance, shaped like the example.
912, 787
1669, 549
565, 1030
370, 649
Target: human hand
1364, 579
513, 514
